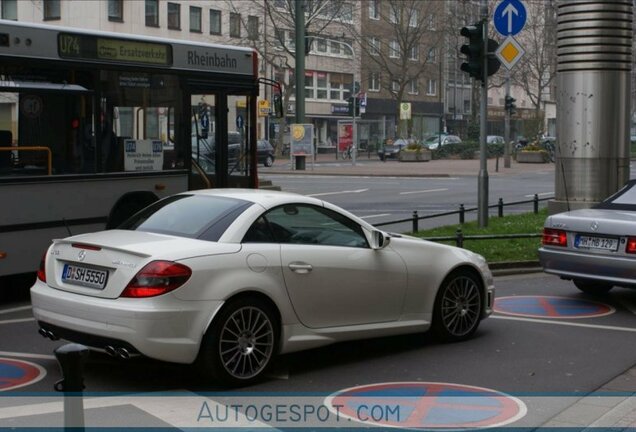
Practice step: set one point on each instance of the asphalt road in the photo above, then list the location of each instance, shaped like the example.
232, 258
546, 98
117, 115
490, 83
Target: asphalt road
525, 357
382, 199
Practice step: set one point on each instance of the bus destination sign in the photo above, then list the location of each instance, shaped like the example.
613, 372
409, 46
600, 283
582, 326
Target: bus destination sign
78, 46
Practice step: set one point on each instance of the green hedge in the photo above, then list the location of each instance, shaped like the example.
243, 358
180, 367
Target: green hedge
466, 150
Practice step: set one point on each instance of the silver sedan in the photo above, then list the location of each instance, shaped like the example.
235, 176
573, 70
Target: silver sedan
229, 278
595, 248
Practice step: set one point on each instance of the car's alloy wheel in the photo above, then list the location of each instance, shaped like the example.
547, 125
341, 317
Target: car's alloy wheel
241, 343
268, 161
592, 287
458, 307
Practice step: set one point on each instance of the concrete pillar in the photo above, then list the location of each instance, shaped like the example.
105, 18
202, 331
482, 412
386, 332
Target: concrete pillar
594, 62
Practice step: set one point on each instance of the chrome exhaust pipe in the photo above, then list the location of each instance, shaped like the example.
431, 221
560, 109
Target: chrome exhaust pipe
48, 334
110, 350
123, 353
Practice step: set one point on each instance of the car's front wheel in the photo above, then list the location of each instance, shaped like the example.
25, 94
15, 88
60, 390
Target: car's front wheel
240, 344
592, 287
458, 307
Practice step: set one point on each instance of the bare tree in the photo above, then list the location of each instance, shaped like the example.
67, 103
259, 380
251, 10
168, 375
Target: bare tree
406, 46
274, 38
537, 68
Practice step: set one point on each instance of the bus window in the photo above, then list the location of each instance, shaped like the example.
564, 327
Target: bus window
238, 139
138, 126
202, 134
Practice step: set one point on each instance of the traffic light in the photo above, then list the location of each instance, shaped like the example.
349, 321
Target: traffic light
510, 104
473, 51
353, 102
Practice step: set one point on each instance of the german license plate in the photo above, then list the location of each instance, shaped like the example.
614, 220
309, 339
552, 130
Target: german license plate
591, 242
84, 276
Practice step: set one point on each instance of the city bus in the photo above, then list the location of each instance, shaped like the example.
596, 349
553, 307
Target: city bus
95, 126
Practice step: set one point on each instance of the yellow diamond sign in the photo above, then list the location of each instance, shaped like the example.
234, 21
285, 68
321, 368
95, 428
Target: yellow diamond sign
509, 52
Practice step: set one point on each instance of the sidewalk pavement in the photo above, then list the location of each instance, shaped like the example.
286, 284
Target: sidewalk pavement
327, 164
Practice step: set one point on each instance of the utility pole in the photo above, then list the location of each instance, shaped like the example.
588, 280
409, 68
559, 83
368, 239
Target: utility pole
482, 192
300, 71
507, 113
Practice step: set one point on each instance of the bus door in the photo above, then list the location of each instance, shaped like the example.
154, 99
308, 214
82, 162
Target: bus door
222, 148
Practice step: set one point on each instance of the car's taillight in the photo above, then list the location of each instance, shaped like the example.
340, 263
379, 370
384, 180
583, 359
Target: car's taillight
42, 269
554, 237
631, 245
156, 278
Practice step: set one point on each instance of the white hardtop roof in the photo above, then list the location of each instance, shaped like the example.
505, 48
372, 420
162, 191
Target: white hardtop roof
265, 198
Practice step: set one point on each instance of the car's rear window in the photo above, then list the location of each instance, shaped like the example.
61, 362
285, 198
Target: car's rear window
192, 216
624, 199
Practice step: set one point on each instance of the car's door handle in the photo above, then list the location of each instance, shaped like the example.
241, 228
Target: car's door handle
300, 268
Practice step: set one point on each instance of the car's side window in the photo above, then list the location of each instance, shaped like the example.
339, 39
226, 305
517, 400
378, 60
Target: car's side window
306, 224
259, 232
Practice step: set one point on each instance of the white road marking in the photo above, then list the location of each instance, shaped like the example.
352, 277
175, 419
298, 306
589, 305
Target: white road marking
423, 191
563, 323
27, 355
339, 192
17, 320
16, 309
375, 216
540, 194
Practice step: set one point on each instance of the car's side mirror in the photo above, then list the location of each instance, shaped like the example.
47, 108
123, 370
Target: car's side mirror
379, 239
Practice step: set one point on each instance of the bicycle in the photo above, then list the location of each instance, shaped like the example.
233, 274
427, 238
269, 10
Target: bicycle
347, 153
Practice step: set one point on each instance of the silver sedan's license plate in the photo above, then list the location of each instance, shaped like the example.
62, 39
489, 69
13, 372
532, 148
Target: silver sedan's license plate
84, 276
591, 242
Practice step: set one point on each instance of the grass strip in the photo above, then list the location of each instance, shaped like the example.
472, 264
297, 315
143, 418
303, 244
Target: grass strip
498, 250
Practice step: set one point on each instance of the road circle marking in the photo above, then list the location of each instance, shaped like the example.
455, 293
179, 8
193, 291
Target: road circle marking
19, 373
551, 307
418, 405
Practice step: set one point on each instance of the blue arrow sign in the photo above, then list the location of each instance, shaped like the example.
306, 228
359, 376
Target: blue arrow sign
509, 17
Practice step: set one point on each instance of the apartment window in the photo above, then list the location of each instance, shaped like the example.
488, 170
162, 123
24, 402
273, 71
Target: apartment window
52, 10
374, 10
414, 53
431, 22
374, 46
321, 85
339, 85
334, 47
321, 46
413, 87
395, 86
235, 25
394, 49
10, 10
152, 13
431, 88
279, 38
344, 14
215, 21
252, 27
280, 4
310, 90
116, 10
195, 19
431, 56
374, 82
393, 19
174, 16
413, 18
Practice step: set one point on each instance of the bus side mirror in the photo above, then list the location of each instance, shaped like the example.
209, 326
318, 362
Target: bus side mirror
278, 106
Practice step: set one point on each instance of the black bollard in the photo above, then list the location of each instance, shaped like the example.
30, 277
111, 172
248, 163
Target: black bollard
71, 358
